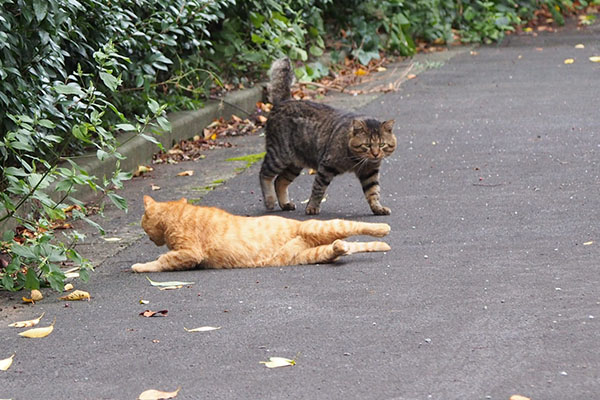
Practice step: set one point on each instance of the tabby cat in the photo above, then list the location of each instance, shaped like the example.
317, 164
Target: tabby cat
304, 134
212, 238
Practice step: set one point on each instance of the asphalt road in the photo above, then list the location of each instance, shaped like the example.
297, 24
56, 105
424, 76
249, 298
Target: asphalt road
491, 288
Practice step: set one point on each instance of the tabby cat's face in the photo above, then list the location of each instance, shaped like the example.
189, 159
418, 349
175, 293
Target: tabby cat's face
372, 139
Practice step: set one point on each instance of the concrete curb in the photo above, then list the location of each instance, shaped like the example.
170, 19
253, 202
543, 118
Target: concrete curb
184, 125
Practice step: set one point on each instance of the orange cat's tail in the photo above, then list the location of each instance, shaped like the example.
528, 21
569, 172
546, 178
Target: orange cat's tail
282, 77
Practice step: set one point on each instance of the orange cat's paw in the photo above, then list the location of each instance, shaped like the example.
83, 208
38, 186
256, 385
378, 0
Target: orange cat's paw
340, 247
143, 267
381, 230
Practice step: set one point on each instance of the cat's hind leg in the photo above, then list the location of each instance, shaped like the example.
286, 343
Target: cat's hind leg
270, 168
171, 261
323, 232
282, 182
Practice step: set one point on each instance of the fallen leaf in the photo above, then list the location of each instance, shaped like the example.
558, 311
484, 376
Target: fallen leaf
142, 169
153, 394
154, 187
202, 329
411, 76
169, 283
361, 72
569, 61
275, 362
262, 119
36, 295
579, 46
518, 397
186, 173
170, 287
76, 295
6, 363
144, 302
28, 323
381, 69
68, 286
150, 313
72, 275
112, 239
588, 243
528, 29
595, 59
38, 332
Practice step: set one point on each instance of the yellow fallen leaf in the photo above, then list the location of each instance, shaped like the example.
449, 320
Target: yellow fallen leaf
170, 287
68, 286
144, 302
213, 136
38, 332
361, 72
154, 187
595, 59
142, 169
202, 329
276, 362
528, 29
579, 46
186, 173
588, 243
28, 323
518, 397
6, 363
168, 283
72, 275
153, 394
411, 76
76, 295
381, 69
569, 61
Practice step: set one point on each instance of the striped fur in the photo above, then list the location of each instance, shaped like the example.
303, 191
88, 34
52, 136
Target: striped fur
213, 238
303, 134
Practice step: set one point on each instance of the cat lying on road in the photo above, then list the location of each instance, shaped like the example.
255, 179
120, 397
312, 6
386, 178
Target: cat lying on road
212, 238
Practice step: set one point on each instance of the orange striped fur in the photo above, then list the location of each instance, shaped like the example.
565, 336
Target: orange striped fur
212, 238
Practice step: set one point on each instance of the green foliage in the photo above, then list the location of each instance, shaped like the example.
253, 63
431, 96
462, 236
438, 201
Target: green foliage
35, 163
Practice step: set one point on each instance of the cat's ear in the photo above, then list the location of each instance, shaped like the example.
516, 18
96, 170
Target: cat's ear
388, 125
358, 125
182, 200
148, 201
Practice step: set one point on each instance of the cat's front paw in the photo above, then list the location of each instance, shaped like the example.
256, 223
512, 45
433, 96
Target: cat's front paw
381, 210
143, 267
288, 206
270, 203
312, 210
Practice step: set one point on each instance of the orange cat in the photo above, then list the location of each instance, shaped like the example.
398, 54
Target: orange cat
213, 238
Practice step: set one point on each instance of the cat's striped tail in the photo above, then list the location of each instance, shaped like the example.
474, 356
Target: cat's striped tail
282, 77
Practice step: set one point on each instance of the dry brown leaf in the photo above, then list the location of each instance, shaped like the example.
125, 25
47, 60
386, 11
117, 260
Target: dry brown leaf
262, 119
186, 173
76, 295
150, 313
154, 394
28, 323
411, 76
6, 363
68, 286
36, 295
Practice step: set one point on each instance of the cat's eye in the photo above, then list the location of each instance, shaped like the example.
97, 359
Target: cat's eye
382, 145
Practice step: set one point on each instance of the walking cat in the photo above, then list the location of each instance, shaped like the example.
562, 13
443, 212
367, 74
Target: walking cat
304, 134
212, 238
